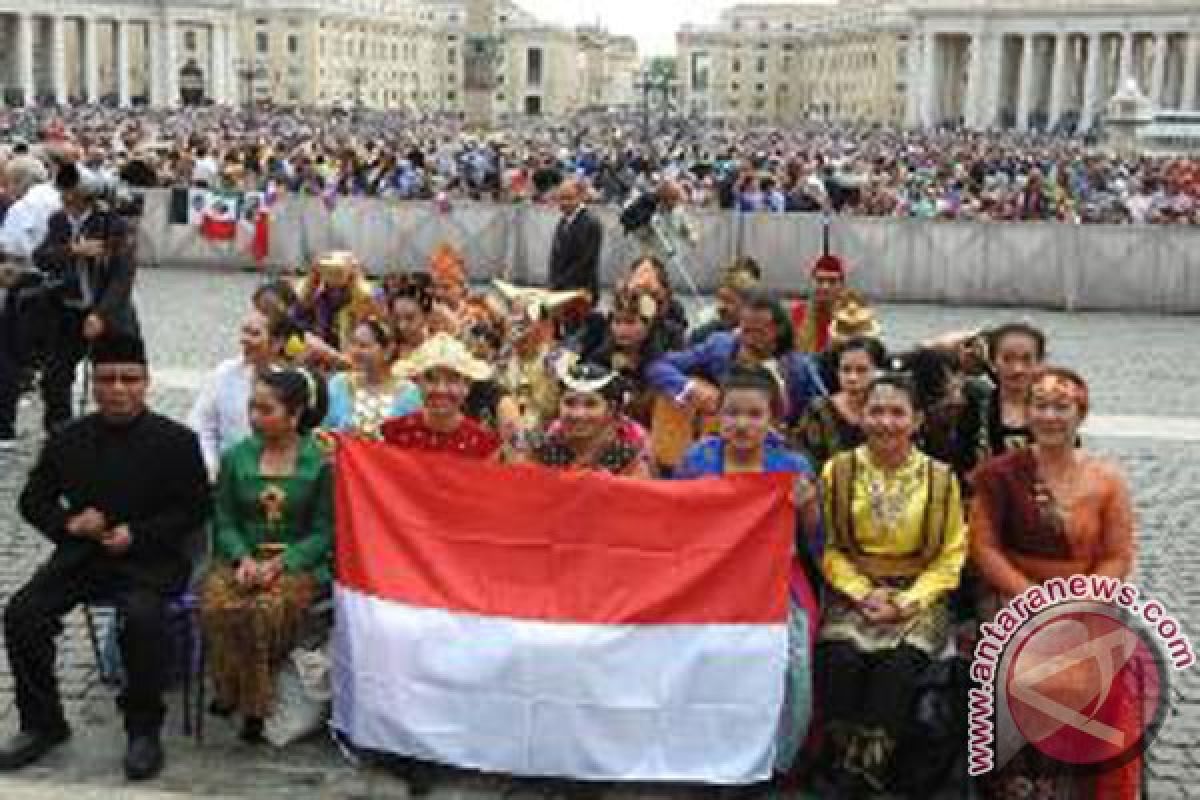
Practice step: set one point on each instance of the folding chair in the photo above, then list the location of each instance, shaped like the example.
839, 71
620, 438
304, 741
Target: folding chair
183, 624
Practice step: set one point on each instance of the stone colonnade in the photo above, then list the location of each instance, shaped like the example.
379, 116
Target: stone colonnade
37, 68
1046, 74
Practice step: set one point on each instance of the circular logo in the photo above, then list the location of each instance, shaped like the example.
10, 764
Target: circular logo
1086, 688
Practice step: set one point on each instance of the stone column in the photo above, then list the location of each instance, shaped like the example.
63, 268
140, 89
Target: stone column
58, 59
219, 63
915, 73
1158, 71
1025, 83
25, 59
929, 76
1126, 69
91, 59
122, 63
170, 72
976, 82
1058, 79
1190, 57
1091, 81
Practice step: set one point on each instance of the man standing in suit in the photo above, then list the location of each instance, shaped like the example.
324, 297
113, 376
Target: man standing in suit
575, 252
86, 253
120, 493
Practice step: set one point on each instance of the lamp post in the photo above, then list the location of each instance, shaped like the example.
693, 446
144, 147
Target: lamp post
248, 72
649, 83
357, 77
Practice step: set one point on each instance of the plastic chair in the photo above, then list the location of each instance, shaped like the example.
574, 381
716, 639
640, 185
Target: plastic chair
183, 625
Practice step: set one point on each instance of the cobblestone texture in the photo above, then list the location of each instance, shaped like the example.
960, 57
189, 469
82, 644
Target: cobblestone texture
1138, 365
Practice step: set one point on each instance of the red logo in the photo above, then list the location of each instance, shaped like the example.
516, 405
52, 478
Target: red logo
1085, 688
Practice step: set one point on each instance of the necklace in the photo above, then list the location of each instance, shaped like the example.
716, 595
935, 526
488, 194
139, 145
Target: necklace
371, 408
888, 497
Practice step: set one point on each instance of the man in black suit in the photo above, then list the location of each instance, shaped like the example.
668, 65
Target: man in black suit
575, 252
86, 253
120, 493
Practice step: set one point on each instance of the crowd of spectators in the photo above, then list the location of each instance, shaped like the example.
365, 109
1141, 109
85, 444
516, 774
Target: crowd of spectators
863, 171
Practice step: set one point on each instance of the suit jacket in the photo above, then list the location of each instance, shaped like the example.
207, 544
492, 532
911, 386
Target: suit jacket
575, 254
148, 475
110, 277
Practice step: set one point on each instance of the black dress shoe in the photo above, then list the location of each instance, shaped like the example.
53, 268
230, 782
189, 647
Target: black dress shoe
252, 730
143, 757
29, 746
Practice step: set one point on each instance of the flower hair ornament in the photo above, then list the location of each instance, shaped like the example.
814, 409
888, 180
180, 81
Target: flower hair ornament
1054, 386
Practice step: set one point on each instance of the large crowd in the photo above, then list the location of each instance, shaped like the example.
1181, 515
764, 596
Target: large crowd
932, 482
866, 171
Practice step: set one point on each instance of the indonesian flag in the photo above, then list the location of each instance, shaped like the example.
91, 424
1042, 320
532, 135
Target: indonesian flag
218, 221
546, 623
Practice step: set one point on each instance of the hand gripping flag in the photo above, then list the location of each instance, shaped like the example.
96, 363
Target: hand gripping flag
538, 622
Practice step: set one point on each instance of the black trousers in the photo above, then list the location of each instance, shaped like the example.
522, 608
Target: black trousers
12, 361
876, 690
33, 620
57, 333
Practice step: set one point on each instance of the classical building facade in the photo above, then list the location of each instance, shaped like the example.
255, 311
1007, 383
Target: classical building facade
1050, 63
386, 54
153, 52
922, 63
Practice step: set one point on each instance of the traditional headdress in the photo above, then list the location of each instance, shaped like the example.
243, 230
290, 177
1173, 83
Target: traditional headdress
641, 302
1057, 383
447, 263
829, 266
539, 304
738, 278
443, 350
853, 317
118, 349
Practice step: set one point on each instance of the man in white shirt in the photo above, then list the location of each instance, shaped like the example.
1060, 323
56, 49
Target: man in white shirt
206, 172
35, 200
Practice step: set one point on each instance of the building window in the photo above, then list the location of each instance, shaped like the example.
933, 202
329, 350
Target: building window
261, 42
533, 66
451, 95
760, 87
451, 56
761, 66
733, 87
189, 41
293, 44
736, 66
260, 21
701, 68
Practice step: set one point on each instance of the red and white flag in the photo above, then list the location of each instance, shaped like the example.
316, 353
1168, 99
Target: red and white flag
537, 622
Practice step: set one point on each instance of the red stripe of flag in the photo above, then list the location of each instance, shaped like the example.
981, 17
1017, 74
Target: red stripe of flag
533, 543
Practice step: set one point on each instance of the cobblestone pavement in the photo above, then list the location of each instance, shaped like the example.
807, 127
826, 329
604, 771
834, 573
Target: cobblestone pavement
1143, 370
